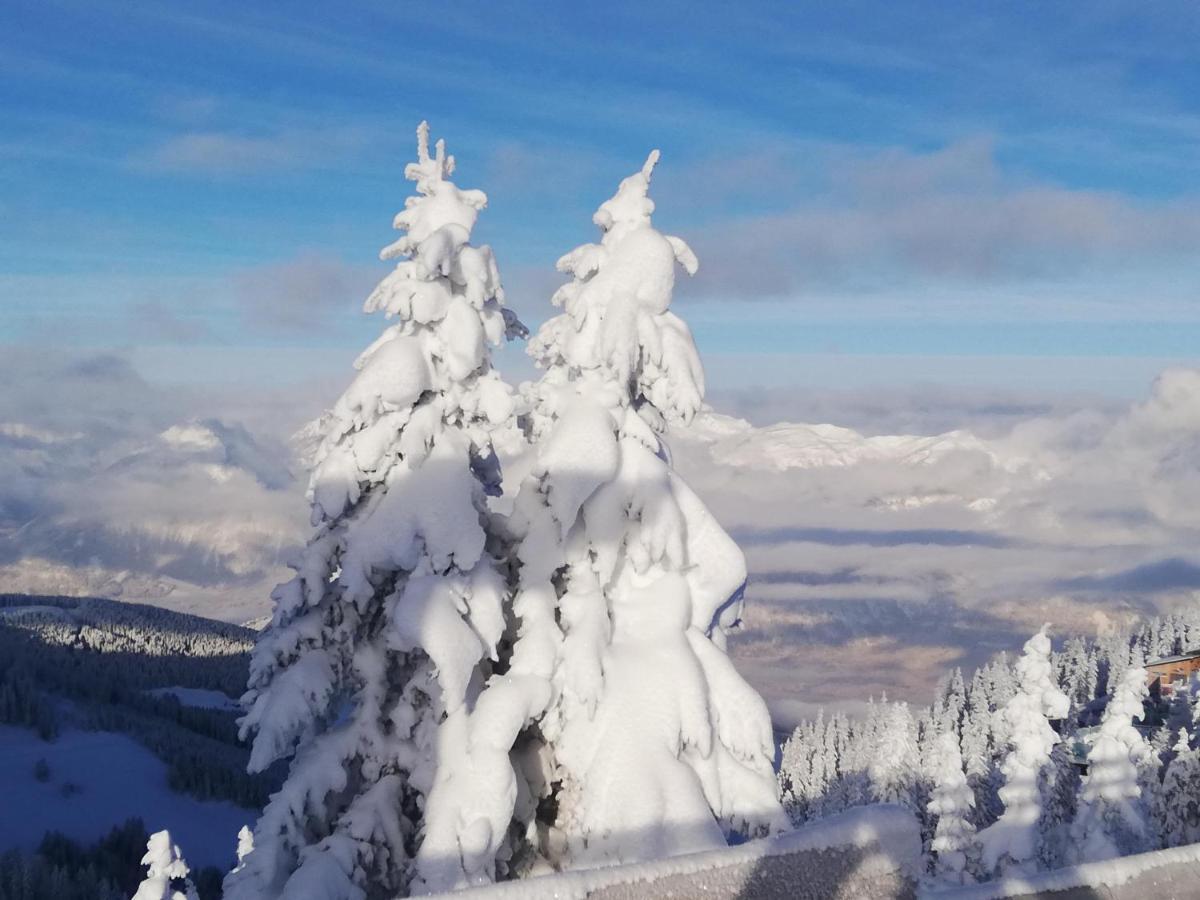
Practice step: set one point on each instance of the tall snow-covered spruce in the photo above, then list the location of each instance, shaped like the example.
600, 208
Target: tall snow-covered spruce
653, 744
1010, 845
953, 843
1111, 820
380, 648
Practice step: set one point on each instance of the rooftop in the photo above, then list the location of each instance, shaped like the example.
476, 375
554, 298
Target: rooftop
1166, 660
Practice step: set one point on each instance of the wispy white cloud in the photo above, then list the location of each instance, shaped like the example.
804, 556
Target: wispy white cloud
953, 214
226, 153
305, 292
158, 321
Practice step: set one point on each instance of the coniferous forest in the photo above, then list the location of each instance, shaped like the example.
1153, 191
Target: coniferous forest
1118, 763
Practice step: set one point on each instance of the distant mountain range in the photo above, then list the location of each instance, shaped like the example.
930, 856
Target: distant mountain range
201, 517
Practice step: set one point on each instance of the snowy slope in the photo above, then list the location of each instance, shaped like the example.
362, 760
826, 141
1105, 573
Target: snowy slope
115, 778
198, 698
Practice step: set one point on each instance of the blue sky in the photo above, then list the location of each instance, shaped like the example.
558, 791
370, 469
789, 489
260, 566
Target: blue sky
960, 191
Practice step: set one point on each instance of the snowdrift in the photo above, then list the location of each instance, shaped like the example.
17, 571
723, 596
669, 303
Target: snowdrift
869, 852
1161, 875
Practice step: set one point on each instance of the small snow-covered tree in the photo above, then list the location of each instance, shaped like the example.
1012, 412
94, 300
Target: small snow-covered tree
166, 872
976, 728
795, 773
1179, 710
954, 850
1177, 812
655, 744
949, 707
1110, 820
825, 768
1060, 788
1010, 844
1193, 689
245, 843
895, 762
838, 791
1078, 673
380, 649
807, 768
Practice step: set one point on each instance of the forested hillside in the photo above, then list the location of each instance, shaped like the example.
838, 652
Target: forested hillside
168, 681
102, 665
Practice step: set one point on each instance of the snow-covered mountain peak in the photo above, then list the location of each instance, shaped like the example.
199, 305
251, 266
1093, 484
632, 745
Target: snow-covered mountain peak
218, 449
785, 445
190, 436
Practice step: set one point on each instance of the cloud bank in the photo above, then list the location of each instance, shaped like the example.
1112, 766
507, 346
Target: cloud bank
953, 215
877, 556
875, 562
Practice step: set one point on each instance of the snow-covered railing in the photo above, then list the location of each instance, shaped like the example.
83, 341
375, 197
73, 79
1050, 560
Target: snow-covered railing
869, 852
1161, 875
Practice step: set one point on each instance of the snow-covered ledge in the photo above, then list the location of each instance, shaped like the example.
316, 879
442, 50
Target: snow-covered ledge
1162, 875
869, 852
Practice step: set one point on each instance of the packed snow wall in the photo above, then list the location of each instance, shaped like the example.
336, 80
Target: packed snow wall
871, 852
1161, 875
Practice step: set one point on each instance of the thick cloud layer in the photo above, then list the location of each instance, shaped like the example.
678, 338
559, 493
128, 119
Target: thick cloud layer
877, 561
935, 531
111, 486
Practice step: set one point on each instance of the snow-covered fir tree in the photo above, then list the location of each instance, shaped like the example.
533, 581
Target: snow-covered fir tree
1194, 701
895, 762
813, 764
976, 728
382, 648
653, 743
1111, 819
1179, 709
840, 793
1002, 686
1077, 673
952, 700
1060, 788
795, 767
1177, 812
166, 872
1010, 844
954, 850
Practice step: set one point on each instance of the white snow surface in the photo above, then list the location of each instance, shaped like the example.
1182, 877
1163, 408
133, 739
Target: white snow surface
890, 829
1106, 874
199, 698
